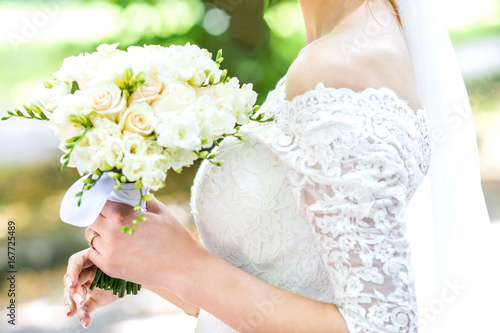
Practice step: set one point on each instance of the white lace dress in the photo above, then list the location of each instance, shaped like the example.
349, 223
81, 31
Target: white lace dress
314, 203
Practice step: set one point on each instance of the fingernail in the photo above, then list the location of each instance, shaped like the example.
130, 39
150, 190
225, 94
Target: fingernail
83, 323
67, 309
69, 284
78, 299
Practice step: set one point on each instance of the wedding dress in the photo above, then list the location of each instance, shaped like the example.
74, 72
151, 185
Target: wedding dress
314, 203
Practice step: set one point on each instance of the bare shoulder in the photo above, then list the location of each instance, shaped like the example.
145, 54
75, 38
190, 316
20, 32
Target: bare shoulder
375, 66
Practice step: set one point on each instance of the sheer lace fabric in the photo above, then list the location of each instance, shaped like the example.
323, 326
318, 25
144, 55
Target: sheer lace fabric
314, 203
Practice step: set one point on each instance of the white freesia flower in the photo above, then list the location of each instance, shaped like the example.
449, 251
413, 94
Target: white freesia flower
91, 68
214, 121
175, 96
107, 50
178, 158
135, 166
134, 143
107, 99
139, 118
113, 151
100, 121
154, 179
69, 105
47, 98
85, 158
179, 130
153, 148
243, 103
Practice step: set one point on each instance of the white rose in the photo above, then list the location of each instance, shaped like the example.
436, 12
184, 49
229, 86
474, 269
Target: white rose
179, 130
139, 118
147, 91
47, 98
178, 158
175, 96
154, 179
107, 99
134, 144
135, 166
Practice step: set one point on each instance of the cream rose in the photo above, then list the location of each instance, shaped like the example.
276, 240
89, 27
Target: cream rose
107, 99
175, 96
139, 118
148, 91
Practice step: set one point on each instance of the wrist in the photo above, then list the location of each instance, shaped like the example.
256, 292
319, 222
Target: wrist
184, 278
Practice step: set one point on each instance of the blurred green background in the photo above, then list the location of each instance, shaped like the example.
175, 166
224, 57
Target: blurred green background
35, 36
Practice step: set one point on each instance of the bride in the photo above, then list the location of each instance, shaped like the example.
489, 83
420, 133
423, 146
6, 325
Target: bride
303, 227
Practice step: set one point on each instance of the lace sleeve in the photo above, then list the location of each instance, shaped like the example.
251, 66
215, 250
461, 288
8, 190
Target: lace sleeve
355, 159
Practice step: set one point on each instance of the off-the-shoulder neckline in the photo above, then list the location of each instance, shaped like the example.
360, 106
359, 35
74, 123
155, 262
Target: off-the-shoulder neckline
321, 87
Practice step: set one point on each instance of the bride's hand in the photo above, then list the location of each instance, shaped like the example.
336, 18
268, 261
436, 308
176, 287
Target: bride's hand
78, 298
159, 248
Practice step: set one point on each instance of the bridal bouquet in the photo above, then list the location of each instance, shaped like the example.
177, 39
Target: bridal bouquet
126, 118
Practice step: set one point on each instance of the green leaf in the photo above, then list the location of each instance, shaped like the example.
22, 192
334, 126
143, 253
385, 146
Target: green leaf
74, 87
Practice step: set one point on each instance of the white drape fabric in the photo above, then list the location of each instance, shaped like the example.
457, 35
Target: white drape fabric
454, 256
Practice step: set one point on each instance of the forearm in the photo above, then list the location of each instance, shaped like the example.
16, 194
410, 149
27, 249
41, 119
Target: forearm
166, 294
249, 304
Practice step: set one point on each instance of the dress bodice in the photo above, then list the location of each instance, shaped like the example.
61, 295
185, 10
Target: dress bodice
314, 202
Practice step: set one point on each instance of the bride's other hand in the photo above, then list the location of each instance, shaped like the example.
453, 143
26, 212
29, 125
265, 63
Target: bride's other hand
158, 248
78, 298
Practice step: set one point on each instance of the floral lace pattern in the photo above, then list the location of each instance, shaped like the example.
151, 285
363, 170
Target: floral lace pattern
314, 202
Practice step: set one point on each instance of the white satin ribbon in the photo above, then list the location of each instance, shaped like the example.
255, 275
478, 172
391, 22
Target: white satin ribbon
93, 200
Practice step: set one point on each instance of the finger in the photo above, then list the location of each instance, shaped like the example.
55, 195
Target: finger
76, 263
69, 304
88, 232
97, 299
87, 276
98, 226
79, 295
83, 314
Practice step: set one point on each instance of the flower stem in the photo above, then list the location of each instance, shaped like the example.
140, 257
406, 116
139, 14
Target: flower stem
118, 286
